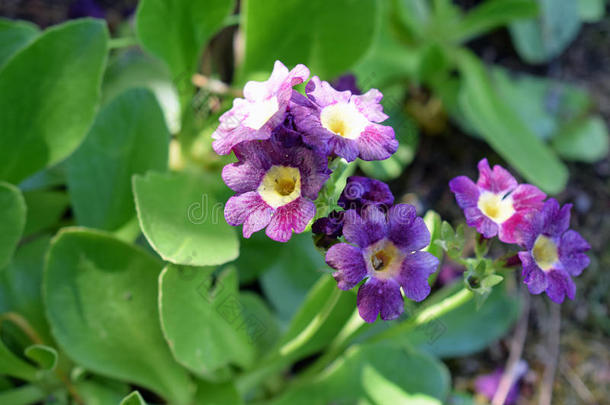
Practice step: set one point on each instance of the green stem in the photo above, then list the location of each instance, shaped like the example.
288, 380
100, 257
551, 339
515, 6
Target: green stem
123, 42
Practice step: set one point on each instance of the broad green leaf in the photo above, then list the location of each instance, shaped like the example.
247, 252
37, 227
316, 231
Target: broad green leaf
44, 356
128, 137
584, 140
220, 335
21, 286
504, 130
177, 30
136, 69
541, 39
12, 220
329, 37
133, 399
101, 391
14, 366
182, 219
451, 335
492, 14
44, 209
591, 10
261, 324
24, 395
45, 179
377, 373
217, 394
101, 300
14, 35
48, 106
297, 267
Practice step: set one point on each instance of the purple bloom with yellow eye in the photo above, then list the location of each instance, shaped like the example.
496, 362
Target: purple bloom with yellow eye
554, 254
384, 250
496, 204
343, 124
262, 109
275, 187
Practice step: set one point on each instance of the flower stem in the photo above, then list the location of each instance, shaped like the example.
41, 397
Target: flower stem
124, 42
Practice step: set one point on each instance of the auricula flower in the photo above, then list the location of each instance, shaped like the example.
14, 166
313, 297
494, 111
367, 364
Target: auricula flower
275, 187
342, 123
496, 204
384, 250
262, 109
554, 254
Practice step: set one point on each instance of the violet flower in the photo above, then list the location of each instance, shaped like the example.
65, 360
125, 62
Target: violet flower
384, 250
496, 204
343, 124
554, 254
275, 187
261, 111
362, 191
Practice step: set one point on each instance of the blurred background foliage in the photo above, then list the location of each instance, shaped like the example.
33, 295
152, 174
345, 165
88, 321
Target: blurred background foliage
105, 125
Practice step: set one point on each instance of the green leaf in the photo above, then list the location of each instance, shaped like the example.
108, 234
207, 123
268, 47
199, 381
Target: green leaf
14, 366
182, 220
101, 300
24, 395
217, 394
133, 69
329, 37
101, 391
220, 336
433, 222
540, 40
379, 373
451, 335
297, 268
21, 286
14, 35
503, 129
48, 96
177, 30
12, 218
584, 140
492, 14
44, 209
133, 399
591, 10
44, 356
128, 137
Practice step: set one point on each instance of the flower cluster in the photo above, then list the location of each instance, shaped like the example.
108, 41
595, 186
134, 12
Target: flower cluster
497, 205
283, 141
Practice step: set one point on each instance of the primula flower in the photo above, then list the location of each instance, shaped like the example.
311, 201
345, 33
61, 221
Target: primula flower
261, 111
554, 254
496, 204
275, 187
488, 384
384, 249
342, 123
362, 191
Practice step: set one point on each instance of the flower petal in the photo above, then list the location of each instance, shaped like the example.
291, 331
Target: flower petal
369, 105
240, 206
365, 229
571, 252
484, 225
556, 220
526, 196
377, 296
498, 181
406, 229
242, 176
533, 276
348, 262
466, 192
414, 273
293, 216
377, 142
323, 94
559, 285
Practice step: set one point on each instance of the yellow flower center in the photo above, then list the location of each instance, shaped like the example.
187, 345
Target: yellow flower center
495, 207
344, 120
545, 252
384, 259
280, 185
260, 112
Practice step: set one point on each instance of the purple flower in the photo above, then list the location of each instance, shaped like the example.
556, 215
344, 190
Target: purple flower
275, 187
362, 191
261, 111
347, 82
343, 124
384, 249
496, 204
86, 8
488, 384
554, 254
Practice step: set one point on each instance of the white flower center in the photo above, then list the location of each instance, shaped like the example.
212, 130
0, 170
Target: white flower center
280, 185
344, 120
384, 259
495, 207
260, 112
545, 252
